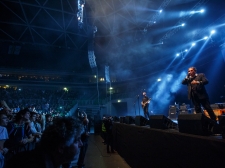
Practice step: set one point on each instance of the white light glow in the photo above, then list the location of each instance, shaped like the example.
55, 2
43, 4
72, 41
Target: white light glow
213, 32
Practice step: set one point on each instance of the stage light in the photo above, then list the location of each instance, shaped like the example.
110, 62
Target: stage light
154, 22
160, 11
213, 32
186, 50
193, 44
159, 79
202, 11
183, 24
206, 37
177, 54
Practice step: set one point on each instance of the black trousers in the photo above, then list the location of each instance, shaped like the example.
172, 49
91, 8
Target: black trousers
205, 103
146, 113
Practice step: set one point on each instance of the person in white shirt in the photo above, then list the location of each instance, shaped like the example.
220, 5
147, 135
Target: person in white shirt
3, 136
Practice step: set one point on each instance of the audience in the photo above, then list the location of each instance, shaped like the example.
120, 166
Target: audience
19, 133
59, 144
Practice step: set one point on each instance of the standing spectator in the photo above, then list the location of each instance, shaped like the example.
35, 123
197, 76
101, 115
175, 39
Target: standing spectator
3, 136
48, 120
59, 144
108, 126
84, 139
104, 130
19, 132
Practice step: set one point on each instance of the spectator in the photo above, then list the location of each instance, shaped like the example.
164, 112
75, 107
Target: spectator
19, 132
84, 139
3, 136
108, 126
49, 119
59, 144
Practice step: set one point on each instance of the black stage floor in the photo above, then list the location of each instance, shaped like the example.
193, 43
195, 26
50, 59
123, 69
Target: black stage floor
97, 156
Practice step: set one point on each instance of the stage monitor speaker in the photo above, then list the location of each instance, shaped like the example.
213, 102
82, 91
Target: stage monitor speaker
129, 120
222, 124
122, 119
141, 121
161, 122
116, 119
196, 124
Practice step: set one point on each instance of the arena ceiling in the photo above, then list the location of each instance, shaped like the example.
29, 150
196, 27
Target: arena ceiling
133, 38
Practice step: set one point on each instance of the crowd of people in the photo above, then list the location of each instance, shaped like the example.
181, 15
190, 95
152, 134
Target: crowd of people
30, 139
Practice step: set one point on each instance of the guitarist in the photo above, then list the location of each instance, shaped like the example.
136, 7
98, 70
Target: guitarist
145, 104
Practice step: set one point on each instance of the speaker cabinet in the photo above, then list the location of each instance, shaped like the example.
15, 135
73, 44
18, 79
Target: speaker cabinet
173, 113
141, 121
129, 120
161, 122
122, 119
196, 124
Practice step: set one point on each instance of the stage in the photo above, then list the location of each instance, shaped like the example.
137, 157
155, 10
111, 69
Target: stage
145, 147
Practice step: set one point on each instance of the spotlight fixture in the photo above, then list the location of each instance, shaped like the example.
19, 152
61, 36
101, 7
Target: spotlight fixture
177, 54
213, 32
160, 11
193, 44
206, 37
202, 11
183, 24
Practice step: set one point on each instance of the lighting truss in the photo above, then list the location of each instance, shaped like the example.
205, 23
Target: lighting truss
80, 13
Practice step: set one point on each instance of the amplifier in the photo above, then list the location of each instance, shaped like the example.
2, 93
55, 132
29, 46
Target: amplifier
172, 113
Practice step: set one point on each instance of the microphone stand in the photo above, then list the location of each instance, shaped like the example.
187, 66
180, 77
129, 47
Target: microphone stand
136, 99
134, 108
139, 105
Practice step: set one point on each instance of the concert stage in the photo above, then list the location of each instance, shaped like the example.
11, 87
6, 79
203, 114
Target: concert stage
145, 147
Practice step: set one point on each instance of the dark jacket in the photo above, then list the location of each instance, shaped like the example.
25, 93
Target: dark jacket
198, 89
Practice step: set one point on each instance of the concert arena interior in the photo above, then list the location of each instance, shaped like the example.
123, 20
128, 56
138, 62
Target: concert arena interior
97, 57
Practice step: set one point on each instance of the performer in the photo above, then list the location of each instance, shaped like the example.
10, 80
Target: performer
145, 103
197, 92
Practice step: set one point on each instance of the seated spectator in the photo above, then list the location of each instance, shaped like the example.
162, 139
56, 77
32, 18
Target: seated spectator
59, 144
3, 136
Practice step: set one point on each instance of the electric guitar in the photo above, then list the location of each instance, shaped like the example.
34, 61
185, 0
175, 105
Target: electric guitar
144, 104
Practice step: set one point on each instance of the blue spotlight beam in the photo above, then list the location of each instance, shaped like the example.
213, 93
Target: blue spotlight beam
180, 22
155, 17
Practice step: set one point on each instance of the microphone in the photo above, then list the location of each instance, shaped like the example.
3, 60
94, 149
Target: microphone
188, 76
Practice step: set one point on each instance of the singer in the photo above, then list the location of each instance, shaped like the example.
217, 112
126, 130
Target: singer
197, 92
